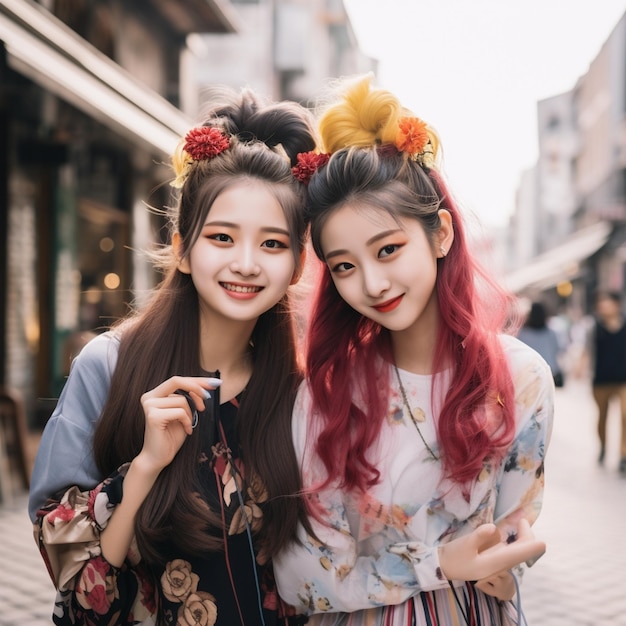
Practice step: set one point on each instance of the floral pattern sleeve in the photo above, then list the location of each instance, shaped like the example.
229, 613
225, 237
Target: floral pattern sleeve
380, 548
521, 480
90, 589
337, 572
336, 578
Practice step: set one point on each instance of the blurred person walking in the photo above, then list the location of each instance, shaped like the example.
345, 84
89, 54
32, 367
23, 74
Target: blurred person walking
608, 355
540, 337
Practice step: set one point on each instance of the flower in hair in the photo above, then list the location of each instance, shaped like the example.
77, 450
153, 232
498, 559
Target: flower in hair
205, 142
413, 136
308, 163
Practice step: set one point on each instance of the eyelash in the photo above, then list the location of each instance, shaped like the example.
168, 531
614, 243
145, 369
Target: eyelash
394, 247
390, 248
279, 244
338, 268
224, 238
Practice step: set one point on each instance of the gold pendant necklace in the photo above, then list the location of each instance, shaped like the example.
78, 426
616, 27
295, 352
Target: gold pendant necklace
408, 408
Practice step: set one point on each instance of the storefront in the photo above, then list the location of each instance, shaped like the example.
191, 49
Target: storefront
85, 156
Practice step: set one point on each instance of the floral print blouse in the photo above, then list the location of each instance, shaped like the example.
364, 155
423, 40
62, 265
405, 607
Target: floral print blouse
229, 587
377, 557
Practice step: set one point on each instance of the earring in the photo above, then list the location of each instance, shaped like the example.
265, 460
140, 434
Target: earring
442, 250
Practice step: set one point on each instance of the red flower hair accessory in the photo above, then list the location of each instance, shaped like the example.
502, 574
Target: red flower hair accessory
205, 142
308, 163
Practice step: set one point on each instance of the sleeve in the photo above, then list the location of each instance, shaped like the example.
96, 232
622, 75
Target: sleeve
64, 455
521, 481
90, 589
327, 573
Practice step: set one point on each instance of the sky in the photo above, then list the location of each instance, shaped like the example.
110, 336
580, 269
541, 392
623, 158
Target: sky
475, 70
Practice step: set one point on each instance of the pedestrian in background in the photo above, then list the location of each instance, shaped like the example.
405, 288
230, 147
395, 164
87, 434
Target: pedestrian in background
154, 502
608, 358
421, 429
540, 337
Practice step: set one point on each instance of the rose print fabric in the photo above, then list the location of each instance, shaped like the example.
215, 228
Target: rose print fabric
230, 587
376, 563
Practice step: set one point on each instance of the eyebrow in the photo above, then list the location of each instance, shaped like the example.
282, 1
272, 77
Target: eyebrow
265, 229
369, 242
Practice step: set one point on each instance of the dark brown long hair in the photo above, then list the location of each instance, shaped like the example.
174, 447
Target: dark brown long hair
163, 340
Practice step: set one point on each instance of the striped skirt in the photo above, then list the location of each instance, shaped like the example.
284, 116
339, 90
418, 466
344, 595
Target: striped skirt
465, 606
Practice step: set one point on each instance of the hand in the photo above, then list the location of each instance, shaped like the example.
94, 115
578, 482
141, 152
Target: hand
169, 417
499, 585
482, 553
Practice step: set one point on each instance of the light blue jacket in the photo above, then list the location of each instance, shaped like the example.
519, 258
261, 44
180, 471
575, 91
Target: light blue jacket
65, 456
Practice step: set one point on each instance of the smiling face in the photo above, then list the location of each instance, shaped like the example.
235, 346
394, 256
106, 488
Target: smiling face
384, 267
243, 262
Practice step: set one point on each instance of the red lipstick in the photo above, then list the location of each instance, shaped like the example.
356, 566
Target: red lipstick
389, 305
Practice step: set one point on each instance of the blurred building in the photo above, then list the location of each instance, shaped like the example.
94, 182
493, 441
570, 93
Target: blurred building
569, 228
286, 49
89, 113
94, 96
524, 223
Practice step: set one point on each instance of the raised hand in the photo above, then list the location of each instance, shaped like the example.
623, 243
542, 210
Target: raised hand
482, 554
169, 417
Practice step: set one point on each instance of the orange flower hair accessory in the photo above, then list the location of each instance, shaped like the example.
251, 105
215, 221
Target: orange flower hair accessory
307, 164
205, 142
414, 139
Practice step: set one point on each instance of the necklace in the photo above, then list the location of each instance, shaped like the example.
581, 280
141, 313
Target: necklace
408, 408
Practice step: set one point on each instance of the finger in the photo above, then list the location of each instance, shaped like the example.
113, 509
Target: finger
202, 392
487, 536
200, 386
533, 559
153, 408
192, 405
500, 586
518, 552
485, 585
167, 402
525, 533
199, 401
524, 530
162, 418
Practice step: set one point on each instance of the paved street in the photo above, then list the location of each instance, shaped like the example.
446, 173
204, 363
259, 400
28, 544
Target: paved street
580, 581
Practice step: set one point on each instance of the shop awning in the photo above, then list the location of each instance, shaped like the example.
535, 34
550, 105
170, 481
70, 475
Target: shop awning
561, 263
45, 50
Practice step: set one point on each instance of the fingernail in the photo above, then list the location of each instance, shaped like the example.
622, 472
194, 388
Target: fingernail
206, 393
214, 382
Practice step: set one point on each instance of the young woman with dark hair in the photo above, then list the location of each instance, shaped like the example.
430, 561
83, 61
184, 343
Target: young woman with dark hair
422, 427
159, 496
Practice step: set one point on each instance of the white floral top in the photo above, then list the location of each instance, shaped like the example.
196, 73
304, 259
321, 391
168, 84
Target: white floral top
380, 549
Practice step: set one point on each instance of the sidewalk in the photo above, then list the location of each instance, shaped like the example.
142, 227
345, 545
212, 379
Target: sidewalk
580, 581
26, 591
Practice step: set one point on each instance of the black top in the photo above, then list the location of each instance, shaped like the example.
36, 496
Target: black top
610, 355
239, 587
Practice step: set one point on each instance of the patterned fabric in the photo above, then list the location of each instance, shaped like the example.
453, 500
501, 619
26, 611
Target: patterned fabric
438, 608
223, 588
378, 555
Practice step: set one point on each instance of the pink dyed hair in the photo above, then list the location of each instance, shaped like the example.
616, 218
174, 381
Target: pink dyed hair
476, 420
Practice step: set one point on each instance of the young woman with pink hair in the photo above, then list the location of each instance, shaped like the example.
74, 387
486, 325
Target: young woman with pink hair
422, 427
